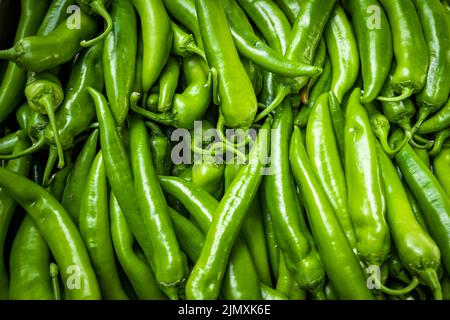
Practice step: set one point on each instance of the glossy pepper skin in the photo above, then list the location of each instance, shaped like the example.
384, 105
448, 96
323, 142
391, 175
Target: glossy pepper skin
8, 142
137, 270
324, 156
410, 48
156, 45
343, 52
432, 198
168, 263
441, 165
374, 38
237, 99
29, 264
71, 198
14, 80
417, 250
291, 8
168, 83
293, 237
119, 58
341, 264
7, 207
436, 31
36, 53
240, 280
58, 230
204, 280
94, 228
367, 205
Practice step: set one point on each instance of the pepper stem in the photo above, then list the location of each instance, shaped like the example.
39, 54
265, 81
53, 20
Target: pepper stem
9, 54
54, 271
399, 292
35, 147
439, 140
193, 48
164, 118
406, 93
98, 8
423, 114
47, 103
281, 94
426, 144
52, 156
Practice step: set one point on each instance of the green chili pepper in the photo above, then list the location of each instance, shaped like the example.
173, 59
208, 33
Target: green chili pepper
341, 264
253, 230
365, 190
323, 152
137, 271
374, 38
268, 58
29, 265
96, 7
167, 261
156, 45
417, 250
94, 228
204, 280
71, 199
432, 198
439, 121
343, 52
240, 279
410, 49
293, 237
255, 74
7, 208
119, 173
119, 58
435, 26
187, 106
184, 44
441, 165
14, 80
36, 53
168, 83
439, 140
59, 232
209, 176
234, 86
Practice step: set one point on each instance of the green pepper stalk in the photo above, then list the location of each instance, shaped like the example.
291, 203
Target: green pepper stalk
96, 7
184, 44
439, 140
45, 94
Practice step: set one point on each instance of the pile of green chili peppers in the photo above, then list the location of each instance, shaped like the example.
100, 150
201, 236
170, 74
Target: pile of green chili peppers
225, 149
